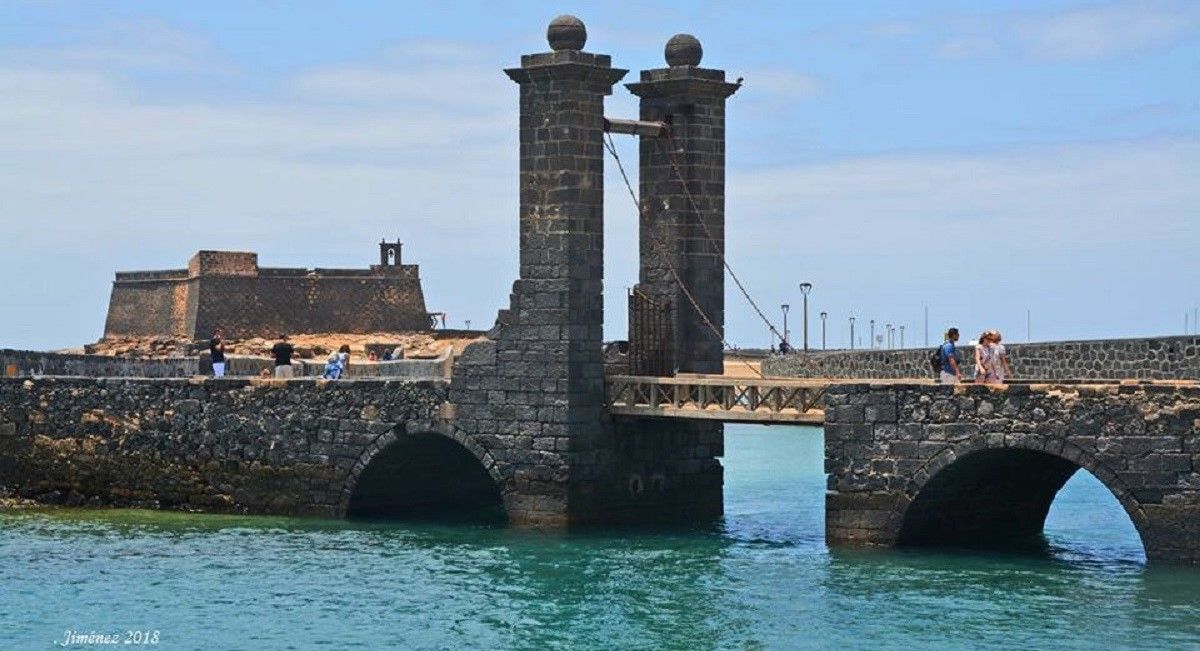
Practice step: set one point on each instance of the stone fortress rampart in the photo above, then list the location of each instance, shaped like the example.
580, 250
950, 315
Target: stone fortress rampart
1150, 358
228, 289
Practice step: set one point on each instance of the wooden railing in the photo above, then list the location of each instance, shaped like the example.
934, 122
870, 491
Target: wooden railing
713, 397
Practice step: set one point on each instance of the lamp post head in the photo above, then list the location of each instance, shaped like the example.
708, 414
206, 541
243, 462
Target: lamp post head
785, 307
805, 288
824, 314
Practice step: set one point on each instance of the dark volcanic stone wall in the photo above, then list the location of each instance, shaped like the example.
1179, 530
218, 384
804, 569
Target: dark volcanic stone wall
1152, 358
534, 394
682, 227
240, 446
268, 304
929, 464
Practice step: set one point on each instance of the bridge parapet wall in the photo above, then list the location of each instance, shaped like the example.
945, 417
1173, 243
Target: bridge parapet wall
931, 464
230, 445
1153, 358
35, 363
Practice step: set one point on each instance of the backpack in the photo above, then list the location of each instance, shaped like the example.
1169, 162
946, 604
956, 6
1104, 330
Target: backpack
935, 360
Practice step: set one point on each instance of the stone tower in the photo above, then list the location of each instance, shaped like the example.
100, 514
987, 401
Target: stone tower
530, 398
537, 388
682, 225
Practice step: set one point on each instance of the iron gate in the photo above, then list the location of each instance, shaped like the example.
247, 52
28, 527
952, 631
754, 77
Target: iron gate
650, 335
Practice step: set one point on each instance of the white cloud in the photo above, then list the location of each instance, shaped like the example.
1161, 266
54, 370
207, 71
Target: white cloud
967, 47
1096, 195
127, 45
1104, 31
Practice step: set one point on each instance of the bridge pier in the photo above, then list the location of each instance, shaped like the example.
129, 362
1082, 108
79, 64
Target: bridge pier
533, 394
925, 465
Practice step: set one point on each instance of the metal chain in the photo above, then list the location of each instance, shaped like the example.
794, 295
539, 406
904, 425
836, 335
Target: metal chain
671, 155
662, 249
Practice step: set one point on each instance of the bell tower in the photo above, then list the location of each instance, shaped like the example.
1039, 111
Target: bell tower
389, 253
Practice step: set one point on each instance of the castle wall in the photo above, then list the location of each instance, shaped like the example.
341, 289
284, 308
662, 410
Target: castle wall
149, 306
268, 304
228, 290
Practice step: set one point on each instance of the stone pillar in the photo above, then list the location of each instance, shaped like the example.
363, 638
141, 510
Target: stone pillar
673, 232
534, 394
668, 470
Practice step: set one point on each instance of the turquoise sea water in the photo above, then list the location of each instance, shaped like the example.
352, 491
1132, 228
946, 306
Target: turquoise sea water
762, 580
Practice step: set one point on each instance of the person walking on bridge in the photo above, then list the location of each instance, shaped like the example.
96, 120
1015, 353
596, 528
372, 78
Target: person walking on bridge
951, 372
983, 359
1001, 369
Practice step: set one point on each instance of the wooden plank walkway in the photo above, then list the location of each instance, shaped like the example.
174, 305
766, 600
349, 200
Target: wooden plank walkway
717, 397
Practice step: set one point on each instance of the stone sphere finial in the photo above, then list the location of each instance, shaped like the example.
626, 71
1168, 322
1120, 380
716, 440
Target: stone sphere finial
683, 50
566, 32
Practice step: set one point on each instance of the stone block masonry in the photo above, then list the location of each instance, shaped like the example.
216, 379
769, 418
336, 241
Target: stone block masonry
229, 290
1151, 358
238, 446
974, 464
535, 391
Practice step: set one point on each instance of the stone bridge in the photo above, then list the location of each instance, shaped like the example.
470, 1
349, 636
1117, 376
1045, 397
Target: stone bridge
298, 447
908, 464
921, 464
524, 426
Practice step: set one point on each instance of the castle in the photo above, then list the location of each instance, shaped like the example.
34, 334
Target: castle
228, 290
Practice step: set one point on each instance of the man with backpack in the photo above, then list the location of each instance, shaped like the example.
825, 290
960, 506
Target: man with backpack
946, 361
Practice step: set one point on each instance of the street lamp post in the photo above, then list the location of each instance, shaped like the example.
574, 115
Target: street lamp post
889, 336
805, 288
785, 307
824, 315
902, 336
851, 333
872, 333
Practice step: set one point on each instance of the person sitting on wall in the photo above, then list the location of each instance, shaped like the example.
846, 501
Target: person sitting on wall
397, 352
337, 363
216, 350
283, 352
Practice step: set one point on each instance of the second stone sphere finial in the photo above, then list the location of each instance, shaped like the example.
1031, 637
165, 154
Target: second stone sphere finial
566, 32
683, 50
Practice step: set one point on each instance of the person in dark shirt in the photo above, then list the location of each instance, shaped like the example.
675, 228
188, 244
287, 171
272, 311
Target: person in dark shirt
216, 350
951, 366
283, 352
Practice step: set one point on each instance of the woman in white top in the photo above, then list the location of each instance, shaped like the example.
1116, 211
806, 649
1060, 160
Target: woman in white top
1001, 369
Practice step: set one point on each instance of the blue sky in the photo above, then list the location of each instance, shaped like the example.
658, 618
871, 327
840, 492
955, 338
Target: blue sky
981, 159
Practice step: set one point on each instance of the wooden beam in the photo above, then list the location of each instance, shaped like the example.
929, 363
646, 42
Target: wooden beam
813, 417
636, 127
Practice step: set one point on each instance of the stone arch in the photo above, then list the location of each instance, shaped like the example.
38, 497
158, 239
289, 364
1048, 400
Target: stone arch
470, 467
1023, 475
